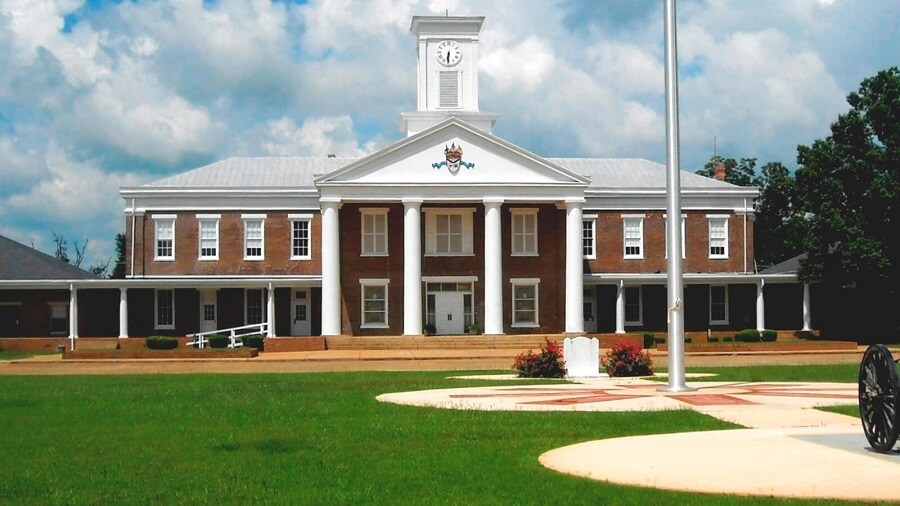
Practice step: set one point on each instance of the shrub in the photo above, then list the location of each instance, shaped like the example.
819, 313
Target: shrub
649, 339
548, 363
162, 343
625, 359
688, 340
218, 340
727, 339
748, 336
254, 341
659, 340
713, 339
768, 336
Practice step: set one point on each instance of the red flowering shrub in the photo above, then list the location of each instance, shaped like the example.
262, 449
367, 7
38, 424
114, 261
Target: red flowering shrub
625, 359
548, 363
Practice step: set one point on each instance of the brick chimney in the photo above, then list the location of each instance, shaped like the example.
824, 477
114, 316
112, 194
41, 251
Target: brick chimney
719, 172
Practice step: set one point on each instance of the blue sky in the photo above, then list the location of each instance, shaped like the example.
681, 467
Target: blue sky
96, 95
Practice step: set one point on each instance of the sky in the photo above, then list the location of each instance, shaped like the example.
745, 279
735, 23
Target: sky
96, 95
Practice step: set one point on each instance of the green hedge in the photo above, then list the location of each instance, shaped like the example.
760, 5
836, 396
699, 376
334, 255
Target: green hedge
768, 336
748, 336
649, 340
254, 341
161, 343
219, 340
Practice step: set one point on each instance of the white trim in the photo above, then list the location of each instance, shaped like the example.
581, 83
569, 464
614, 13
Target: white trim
373, 211
640, 320
163, 216
370, 282
300, 216
449, 279
201, 219
157, 219
523, 211
254, 216
156, 324
533, 282
718, 322
305, 218
709, 245
625, 219
251, 218
209, 216
592, 218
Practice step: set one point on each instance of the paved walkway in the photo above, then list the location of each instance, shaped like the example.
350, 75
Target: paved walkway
789, 450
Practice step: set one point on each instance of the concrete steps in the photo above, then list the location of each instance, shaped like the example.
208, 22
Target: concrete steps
464, 342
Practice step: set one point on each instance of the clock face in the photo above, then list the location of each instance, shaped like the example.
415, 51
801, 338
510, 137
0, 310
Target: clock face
449, 53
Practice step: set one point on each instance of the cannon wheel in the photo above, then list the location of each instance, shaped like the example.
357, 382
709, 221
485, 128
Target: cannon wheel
879, 397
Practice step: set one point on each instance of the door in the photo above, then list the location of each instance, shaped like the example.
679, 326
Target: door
300, 313
590, 319
208, 312
9, 320
449, 317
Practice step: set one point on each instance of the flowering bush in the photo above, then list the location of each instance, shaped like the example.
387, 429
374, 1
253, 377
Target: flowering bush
548, 363
625, 359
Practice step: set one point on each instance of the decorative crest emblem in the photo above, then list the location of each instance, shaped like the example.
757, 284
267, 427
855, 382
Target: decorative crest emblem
453, 159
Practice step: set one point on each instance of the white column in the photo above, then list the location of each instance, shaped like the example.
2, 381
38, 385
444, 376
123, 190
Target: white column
760, 306
807, 309
493, 268
412, 268
331, 269
270, 311
574, 268
123, 313
73, 314
620, 307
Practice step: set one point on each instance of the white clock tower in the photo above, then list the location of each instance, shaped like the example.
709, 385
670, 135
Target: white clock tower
447, 73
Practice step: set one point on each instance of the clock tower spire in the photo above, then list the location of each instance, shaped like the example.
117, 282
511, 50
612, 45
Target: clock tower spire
447, 74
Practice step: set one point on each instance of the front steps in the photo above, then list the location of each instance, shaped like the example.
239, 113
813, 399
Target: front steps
463, 342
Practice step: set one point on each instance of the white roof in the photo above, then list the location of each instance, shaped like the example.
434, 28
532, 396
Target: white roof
300, 172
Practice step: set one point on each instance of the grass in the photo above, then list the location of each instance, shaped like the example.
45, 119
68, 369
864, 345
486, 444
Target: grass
302, 439
17, 355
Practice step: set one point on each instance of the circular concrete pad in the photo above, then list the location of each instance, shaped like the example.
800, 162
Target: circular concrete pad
809, 462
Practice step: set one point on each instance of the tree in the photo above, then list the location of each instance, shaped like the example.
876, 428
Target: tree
850, 184
738, 173
118, 271
781, 226
61, 250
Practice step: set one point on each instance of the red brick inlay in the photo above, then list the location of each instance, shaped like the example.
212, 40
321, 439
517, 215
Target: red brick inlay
711, 400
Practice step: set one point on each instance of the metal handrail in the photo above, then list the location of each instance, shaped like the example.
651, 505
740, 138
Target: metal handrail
201, 338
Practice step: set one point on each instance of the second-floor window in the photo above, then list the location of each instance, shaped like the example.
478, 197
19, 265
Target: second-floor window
209, 237
524, 232
633, 231
300, 239
254, 237
448, 231
718, 236
165, 237
589, 237
374, 232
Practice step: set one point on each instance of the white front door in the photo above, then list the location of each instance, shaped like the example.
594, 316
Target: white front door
449, 317
300, 312
208, 311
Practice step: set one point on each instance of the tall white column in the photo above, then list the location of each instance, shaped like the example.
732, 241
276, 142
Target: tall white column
807, 309
760, 306
620, 307
73, 314
331, 269
574, 268
412, 268
493, 268
123, 313
270, 311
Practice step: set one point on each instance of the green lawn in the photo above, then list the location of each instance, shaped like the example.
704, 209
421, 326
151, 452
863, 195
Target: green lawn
16, 355
300, 439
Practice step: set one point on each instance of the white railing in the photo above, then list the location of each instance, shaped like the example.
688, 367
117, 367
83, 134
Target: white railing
201, 339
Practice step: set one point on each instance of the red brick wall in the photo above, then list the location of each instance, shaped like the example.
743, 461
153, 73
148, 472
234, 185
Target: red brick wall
231, 247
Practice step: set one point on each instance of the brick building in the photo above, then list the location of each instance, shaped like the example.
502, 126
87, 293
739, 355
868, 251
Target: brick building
450, 230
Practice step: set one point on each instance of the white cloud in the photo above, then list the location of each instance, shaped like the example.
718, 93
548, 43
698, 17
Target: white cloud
320, 136
528, 64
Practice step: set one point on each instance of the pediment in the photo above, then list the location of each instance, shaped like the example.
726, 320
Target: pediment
422, 160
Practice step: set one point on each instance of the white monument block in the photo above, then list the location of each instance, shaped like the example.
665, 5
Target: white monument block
582, 357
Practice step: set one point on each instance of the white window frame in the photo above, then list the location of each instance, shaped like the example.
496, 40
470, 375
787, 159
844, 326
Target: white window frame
718, 322
263, 314
431, 214
157, 220
301, 218
716, 218
536, 284
626, 218
367, 283
205, 219
253, 218
666, 229
522, 216
372, 212
592, 219
156, 322
640, 304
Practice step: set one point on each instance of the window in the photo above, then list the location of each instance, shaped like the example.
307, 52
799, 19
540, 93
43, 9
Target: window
587, 298
589, 237
525, 302
633, 311
718, 305
634, 236
524, 232
59, 320
254, 306
374, 232
448, 231
718, 236
254, 236
165, 237
165, 309
300, 236
374, 303
683, 250
209, 236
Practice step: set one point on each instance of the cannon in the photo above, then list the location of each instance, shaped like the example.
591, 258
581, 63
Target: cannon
879, 397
